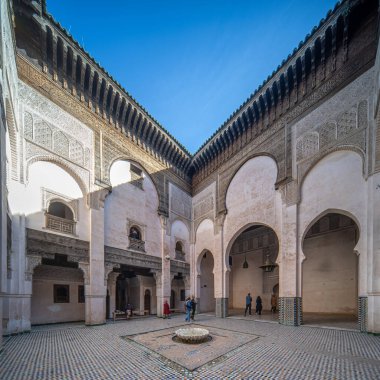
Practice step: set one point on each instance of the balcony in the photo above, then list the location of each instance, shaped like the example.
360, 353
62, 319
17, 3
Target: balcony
136, 244
55, 223
179, 255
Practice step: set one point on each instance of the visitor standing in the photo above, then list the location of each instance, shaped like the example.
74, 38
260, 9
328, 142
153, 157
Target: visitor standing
248, 304
259, 305
188, 309
166, 310
193, 307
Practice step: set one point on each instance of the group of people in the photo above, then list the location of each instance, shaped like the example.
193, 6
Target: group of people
259, 304
190, 307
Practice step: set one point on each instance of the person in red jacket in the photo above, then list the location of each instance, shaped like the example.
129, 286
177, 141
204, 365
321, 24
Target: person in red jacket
166, 310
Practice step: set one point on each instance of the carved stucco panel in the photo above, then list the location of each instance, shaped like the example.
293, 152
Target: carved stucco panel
180, 202
307, 145
346, 123
327, 134
38, 104
203, 206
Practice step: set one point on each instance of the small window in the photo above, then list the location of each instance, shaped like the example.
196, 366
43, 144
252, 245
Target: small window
81, 298
178, 247
61, 293
136, 176
134, 233
60, 217
60, 210
136, 170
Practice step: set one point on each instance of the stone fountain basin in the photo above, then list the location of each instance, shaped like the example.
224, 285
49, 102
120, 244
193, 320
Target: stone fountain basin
192, 335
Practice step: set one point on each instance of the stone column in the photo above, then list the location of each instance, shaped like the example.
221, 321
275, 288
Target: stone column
3, 212
221, 271
158, 278
369, 307
96, 290
289, 261
111, 285
17, 300
163, 282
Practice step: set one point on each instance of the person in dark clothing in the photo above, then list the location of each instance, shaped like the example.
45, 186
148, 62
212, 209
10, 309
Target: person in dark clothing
259, 305
193, 307
248, 304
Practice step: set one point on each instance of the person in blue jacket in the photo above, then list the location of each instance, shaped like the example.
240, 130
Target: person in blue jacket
248, 304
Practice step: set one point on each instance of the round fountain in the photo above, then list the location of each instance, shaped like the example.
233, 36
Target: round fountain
192, 335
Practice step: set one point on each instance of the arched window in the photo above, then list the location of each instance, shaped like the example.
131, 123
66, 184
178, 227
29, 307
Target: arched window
179, 254
136, 239
60, 210
60, 217
178, 246
134, 233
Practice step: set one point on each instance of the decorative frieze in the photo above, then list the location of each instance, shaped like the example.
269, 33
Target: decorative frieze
46, 245
132, 258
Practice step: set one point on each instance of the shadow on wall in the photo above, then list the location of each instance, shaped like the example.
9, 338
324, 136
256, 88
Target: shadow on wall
57, 218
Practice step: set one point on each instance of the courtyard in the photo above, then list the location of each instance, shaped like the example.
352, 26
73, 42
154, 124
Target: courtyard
141, 348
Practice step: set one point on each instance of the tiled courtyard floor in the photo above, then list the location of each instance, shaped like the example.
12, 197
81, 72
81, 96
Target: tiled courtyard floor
279, 352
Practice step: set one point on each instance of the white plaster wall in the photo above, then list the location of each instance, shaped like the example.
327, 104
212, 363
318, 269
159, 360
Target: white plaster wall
252, 199
330, 273
28, 199
180, 232
244, 281
128, 202
204, 237
336, 184
44, 310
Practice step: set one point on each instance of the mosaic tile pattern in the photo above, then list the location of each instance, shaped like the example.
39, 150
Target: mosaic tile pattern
363, 307
281, 352
290, 311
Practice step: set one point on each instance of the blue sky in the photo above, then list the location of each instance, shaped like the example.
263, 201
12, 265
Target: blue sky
190, 63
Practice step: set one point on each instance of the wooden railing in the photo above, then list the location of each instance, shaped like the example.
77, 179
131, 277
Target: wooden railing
56, 223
